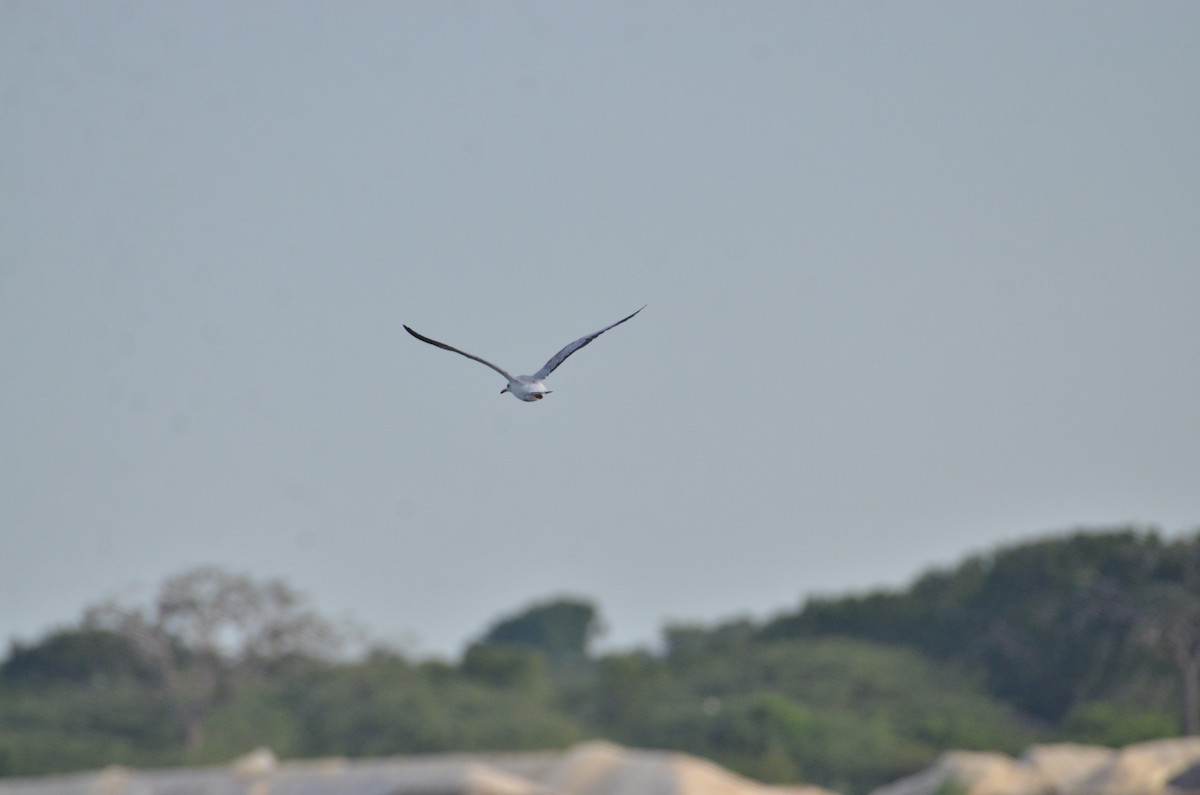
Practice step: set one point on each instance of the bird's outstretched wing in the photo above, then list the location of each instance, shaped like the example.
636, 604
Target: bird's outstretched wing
446, 347
562, 355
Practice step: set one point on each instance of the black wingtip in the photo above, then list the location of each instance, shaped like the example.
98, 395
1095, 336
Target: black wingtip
421, 337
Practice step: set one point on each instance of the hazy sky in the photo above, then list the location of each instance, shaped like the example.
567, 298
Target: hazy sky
922, 278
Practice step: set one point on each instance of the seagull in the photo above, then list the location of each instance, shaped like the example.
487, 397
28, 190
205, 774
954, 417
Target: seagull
527, 387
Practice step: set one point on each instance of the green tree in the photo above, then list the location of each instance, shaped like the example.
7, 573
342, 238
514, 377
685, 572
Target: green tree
628, 686
1105, 723
505, 666
82, 656
562, 628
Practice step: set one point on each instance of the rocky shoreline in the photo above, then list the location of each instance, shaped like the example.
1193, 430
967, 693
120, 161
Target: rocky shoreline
1159, 767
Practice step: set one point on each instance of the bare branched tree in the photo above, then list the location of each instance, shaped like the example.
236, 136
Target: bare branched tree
209, 628
1168, 621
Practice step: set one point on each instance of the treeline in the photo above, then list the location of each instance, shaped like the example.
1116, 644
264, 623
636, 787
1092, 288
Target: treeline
1093, 637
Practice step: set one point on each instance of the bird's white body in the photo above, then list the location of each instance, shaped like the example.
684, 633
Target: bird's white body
525, 387
529, 388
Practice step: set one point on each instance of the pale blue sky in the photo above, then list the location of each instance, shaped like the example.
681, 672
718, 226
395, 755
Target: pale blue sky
922, 278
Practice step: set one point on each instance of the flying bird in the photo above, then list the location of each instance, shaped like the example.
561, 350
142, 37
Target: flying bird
527, 387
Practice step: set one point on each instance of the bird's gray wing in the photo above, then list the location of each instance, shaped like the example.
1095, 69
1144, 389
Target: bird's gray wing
446, 347
562, 355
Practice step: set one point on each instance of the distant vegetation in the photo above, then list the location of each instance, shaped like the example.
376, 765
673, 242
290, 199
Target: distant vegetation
1093, 637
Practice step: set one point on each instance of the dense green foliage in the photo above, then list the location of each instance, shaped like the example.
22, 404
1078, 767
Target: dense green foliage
1085, 637
1052, 624
842, 712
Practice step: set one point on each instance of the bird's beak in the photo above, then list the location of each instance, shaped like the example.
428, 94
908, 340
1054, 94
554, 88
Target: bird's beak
502, 391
